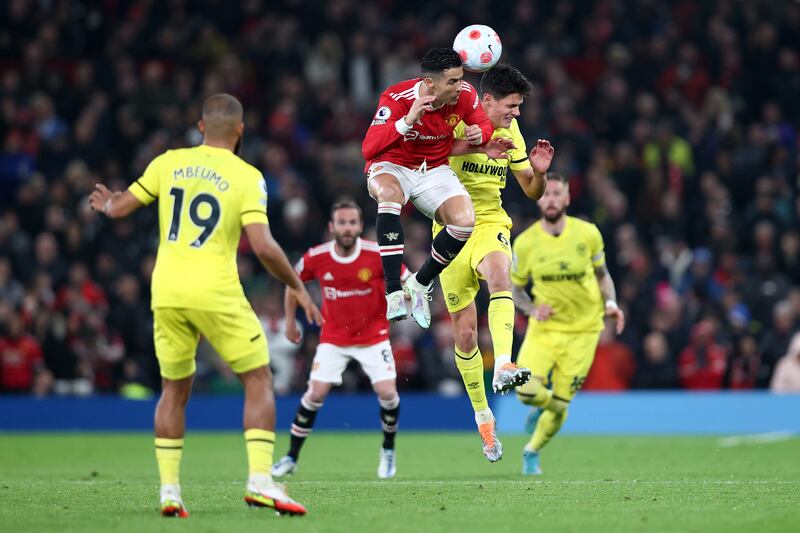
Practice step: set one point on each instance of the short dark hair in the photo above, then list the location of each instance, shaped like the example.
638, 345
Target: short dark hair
222, 113
346, 203
555, 176
503, 79
437, 60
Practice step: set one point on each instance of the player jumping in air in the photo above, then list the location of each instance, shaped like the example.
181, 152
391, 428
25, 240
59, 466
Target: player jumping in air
406, 150
487, 254
564, 259
206, 195
350, 275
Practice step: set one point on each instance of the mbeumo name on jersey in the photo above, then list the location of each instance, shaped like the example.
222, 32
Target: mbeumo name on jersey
202, 173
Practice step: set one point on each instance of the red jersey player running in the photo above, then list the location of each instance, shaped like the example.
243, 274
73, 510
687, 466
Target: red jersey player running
406, 149
350, 275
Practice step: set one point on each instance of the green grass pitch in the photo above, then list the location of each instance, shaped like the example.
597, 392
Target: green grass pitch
108, 482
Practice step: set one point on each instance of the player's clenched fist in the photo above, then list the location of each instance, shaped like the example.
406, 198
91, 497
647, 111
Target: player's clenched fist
474, 134
418, 108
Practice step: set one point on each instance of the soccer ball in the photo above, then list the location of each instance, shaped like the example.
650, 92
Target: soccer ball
479, 47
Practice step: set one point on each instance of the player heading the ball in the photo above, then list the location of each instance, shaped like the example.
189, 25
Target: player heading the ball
406, 149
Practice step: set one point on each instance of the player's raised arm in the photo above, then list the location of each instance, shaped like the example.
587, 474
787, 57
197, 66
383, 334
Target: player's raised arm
114, 204
475, 115
272, 257
534, 178
390, 123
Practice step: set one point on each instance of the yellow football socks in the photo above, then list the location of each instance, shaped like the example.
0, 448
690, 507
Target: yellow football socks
168, 455
548, 425
260, 447
501, 322
470, 365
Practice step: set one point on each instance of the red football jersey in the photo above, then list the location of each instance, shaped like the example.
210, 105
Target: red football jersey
429, 141
353, 293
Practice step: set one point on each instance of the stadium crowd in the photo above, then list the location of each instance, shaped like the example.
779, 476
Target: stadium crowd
675, 121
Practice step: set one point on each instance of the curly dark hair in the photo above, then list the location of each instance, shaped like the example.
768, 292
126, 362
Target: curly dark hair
437, 60
502, 80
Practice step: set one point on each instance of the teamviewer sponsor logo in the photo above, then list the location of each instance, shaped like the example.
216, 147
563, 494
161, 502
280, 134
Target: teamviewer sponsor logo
333, 294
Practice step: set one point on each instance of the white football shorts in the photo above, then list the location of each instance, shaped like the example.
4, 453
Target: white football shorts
426, 188
330, 361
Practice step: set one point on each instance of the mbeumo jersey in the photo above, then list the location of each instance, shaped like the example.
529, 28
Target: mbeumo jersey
205, 195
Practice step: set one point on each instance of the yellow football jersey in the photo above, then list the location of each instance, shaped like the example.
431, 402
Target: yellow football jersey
484, 178
205, 195
562, 271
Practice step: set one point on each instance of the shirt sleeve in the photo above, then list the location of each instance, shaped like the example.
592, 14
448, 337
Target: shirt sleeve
305, 268
146, 188
474, 113
596, 247
385, 129
518, 157
519, 264
254, 201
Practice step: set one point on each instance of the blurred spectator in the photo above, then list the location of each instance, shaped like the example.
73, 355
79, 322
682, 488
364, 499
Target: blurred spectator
775, 343
656, 367
701, 365
744, 364
281, 350
614, 365
787, 372
20, 358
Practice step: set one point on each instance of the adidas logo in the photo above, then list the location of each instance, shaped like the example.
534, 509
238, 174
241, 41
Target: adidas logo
328, 276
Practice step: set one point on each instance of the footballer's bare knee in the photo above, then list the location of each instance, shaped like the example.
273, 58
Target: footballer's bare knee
465, 328
466, 337
177, 390
386, 390
386, 188
317, 392
496, 269
457, 211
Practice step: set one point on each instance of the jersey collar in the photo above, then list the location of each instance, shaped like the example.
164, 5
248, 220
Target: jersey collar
348, 259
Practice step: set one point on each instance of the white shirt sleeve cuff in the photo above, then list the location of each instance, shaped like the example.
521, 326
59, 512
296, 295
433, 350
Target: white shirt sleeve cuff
401, 126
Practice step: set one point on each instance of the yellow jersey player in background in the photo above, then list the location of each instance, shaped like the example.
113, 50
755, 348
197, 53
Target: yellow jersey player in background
487, 254
572, 292
206, 195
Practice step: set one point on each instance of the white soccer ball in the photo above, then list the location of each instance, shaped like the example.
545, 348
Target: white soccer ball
479, 47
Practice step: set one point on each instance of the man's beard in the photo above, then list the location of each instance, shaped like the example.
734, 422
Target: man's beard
342, 241
552, 219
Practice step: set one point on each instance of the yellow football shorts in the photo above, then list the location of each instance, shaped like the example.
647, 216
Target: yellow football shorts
568, 355
460, 278
236, 336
